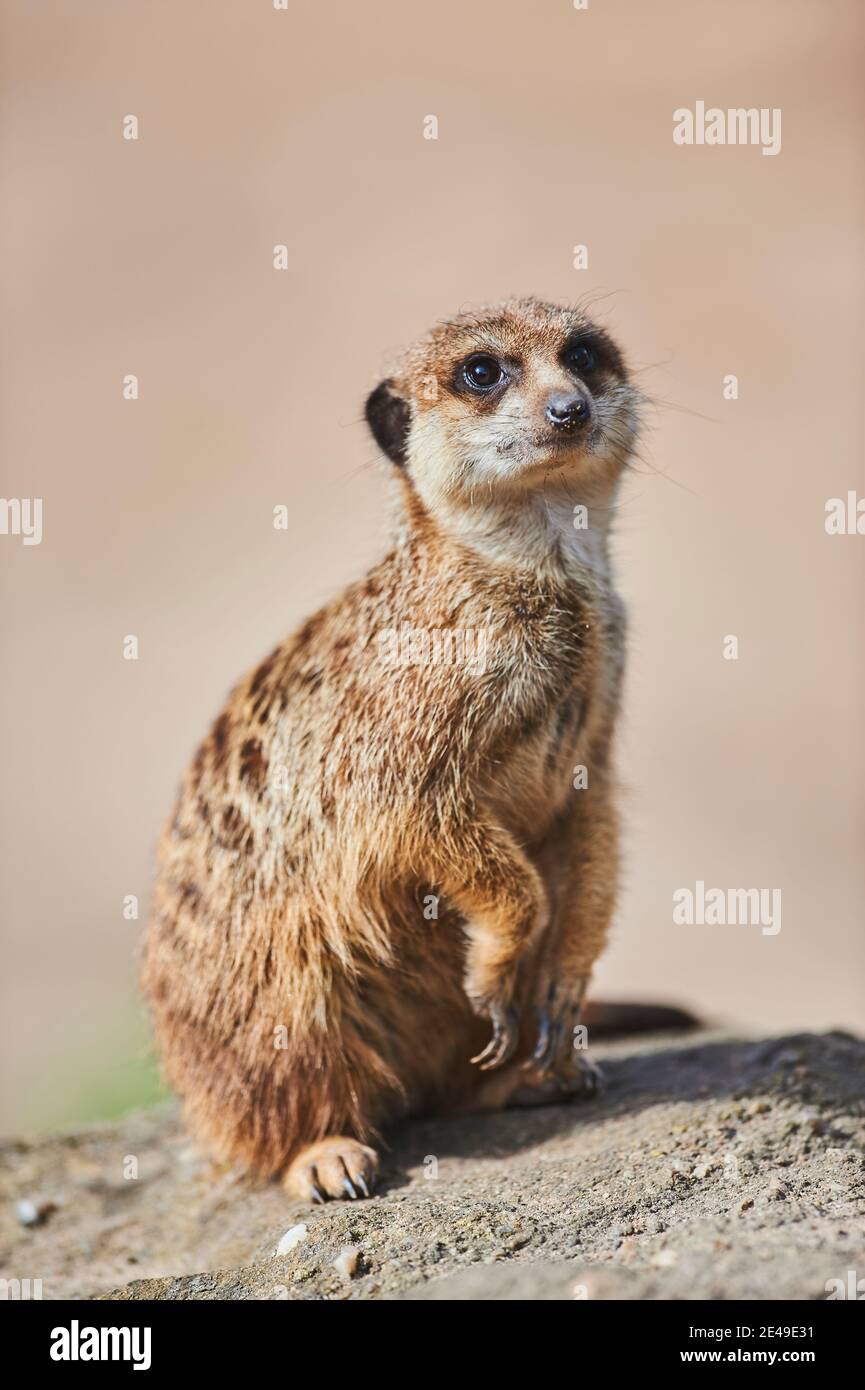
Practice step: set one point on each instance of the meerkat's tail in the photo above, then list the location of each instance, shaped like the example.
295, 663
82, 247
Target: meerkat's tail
605, 1020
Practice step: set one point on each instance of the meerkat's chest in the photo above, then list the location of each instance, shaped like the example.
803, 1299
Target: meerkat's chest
533, 777
565, 682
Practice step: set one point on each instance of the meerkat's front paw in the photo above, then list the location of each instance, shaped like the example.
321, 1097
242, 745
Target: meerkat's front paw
490, 989
558, 1018
506, 1034
333, 1167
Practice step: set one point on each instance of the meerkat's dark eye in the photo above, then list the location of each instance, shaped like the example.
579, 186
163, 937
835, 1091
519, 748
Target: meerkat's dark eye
580, 358
482, 372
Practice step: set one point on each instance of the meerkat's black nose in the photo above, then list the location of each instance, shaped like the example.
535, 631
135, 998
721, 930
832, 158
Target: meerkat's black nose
567, 412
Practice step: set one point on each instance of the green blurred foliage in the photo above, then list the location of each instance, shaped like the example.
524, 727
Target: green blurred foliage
100, 1082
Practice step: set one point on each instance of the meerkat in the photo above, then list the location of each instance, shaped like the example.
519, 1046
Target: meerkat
383, 888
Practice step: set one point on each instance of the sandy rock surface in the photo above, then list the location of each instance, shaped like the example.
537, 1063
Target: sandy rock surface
711, 1167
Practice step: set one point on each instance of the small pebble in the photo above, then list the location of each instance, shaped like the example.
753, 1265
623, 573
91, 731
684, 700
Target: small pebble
813, 1121
292, 1238
347, 1260
31, 1213
759, 1107
664, 1259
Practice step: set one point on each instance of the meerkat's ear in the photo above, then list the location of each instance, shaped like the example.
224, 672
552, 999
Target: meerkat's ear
388, 416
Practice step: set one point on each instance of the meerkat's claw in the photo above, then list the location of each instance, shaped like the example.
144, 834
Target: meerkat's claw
549, 1028
504, 1040
544, 1047
338, 1166
583, 1078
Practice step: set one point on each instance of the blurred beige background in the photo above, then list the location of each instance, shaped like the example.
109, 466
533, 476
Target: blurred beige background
154, 257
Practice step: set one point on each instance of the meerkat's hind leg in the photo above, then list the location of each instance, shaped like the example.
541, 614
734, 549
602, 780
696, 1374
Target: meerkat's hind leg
521, 1085
577, 1079
338, 1166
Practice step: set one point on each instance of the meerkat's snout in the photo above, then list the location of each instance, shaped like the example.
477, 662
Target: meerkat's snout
568, 413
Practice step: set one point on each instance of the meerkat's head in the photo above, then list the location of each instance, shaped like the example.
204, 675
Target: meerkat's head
497, 405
